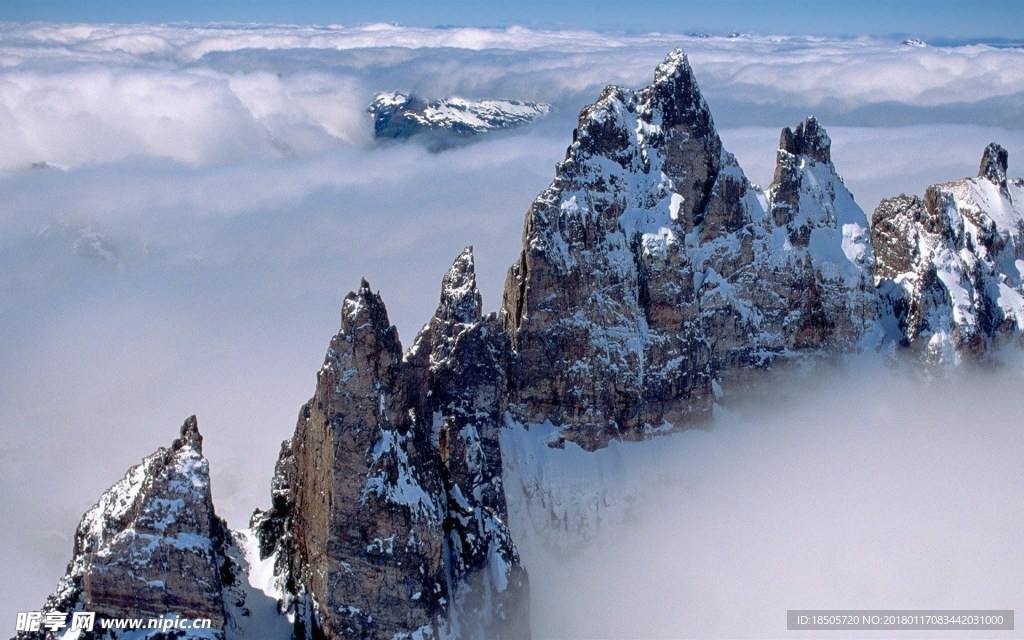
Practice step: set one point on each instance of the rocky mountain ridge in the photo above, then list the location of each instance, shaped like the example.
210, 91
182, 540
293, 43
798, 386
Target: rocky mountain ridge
652, 267
654, 278
950, 271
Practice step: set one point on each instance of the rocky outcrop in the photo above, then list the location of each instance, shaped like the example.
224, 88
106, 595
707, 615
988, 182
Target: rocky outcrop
651, 266
153, 546
388, 504
464, 392
809, 139
949, 269
821, 271
447, 121
643, 170
363, 538
993, 167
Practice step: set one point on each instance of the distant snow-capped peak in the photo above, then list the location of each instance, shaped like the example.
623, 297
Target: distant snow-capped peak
400, 115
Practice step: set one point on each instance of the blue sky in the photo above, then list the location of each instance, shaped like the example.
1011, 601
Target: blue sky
951, 19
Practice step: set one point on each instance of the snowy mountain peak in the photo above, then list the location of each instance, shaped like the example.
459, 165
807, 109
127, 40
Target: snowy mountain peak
364, 310
673, 77
674, 64
674, 95
153, 546
950, 264
399, 115
652, 266
460, 298
807, 195
808, 139
994, 164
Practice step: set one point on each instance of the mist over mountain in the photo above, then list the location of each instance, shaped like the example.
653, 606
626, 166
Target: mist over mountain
822, 492
201, 222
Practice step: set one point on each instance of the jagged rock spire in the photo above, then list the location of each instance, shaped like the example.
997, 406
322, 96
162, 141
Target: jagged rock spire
364, 310
676, 98
809, 139
460, 298
692, 150
190, 436
599, 309
364, 500
461, 363
680, 142
800, 199
153, 544
994, 165
388, 499
943, 265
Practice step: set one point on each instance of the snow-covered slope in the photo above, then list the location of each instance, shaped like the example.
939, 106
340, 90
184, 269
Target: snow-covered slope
951, 265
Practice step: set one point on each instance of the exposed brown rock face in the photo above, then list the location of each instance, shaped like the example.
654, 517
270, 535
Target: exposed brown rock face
388, 507
366, 514
650, 266
895, 230
948, 272
152, 545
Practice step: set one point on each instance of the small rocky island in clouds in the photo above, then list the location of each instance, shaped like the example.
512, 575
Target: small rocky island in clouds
654, 280
448, 121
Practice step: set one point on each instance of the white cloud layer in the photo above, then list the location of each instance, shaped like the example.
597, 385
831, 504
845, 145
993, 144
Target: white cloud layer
862, 490
73, 95
198, 116
219, 192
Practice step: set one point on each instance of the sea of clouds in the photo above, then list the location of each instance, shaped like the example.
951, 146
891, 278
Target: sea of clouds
836, 492
183, 208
